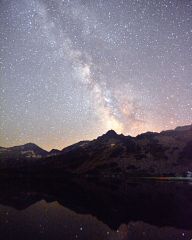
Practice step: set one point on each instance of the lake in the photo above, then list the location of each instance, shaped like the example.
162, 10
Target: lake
91, 209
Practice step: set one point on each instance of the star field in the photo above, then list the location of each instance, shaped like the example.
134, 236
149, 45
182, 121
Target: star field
71, 70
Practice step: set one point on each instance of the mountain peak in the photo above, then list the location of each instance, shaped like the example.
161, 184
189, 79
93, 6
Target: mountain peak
54, 151
111, 133
30, 145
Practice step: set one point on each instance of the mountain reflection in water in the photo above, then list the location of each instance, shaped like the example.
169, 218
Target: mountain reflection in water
81, 209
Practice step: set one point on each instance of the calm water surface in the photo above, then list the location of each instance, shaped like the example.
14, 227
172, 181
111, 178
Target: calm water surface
60, 210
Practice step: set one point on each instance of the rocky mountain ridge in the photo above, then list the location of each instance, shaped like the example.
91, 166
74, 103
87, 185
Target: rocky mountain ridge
167, 153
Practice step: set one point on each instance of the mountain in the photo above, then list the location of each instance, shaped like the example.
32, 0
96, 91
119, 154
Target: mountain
168, 153
18, 155
54, 152
29, 150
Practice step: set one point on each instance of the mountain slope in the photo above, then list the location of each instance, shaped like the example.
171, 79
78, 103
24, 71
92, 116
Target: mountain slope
18, 155
29, 150
167, 153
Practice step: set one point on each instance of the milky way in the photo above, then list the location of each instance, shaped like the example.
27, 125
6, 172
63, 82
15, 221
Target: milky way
71, 70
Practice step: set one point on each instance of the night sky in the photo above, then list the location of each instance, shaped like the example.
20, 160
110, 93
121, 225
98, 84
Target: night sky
71, 70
